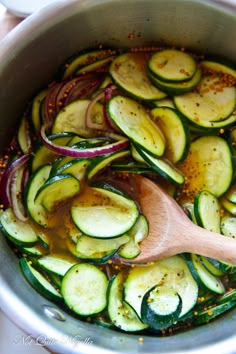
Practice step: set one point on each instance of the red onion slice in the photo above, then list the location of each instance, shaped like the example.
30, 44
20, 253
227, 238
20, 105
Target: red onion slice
6, 179
121, 144
15, 194
107, 96
89, 123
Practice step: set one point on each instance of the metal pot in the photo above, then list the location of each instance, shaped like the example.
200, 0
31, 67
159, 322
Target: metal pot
29, 57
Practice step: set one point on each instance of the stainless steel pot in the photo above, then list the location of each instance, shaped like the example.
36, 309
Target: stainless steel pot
29, 57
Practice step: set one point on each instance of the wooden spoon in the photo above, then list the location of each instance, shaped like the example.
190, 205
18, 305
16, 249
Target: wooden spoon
172, 232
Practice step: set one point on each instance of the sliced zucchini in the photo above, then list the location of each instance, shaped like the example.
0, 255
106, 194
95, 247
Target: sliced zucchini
133, 119
54, 264
138, 233
161, 307
77, 61
128, 70
72, 118
84, 289
39, 282
102, 162
212, 103
23, 135
210, 265
56, 191
171, 273
172, 65
43, 155
228, 205
96, 257
89, 246
19, 232
120, 312
230, 295
176, 132
163, 167
165, 102
204, 277
35, 211
75, 167
219, 66
111, 214
177, 88
96, 65
209, 159
36, 109
205, 315
230, 195
207, 211
228, 226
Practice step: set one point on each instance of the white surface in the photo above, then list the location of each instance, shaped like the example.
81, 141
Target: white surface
14, 341
23, 8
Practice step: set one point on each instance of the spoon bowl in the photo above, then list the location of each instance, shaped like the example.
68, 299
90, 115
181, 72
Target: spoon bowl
172, 232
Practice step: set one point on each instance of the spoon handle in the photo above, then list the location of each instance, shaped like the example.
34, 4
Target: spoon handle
206, 243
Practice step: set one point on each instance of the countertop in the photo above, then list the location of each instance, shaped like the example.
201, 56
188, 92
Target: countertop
12, 339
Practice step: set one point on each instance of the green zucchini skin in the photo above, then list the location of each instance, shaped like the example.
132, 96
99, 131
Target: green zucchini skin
175, 126
161, 307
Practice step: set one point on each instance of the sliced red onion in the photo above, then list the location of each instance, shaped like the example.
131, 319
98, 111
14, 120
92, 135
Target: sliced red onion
107, 96
85, 87
50, 107
16, 202
6, 179
121, 144
89, 123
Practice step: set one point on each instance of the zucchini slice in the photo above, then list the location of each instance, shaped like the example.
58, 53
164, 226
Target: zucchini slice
177, 88
36, 211
171, 273
175, 130
230, 195
72, 118
208, 166
163, 167
161, 307
206, 315
57, 190
212, 266
84, 289
133, 119
128, 70
211, 103
102, 213
19, 232
120, 312
80, 60
207, 211
219, 66
228, 226
36, 109
54, 264
204, 277
102, 162
172, 65
23, 135
39, 282
137, 233
89, 246
96, 65
75, 167
43, 155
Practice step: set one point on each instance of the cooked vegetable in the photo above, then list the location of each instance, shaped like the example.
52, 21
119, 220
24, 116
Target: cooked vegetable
70, 205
